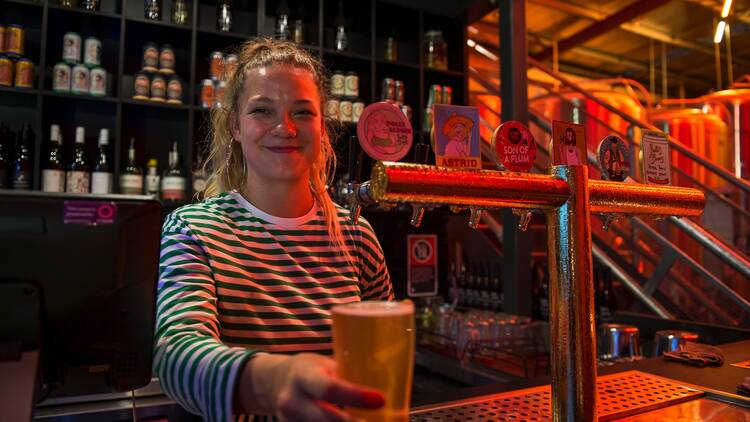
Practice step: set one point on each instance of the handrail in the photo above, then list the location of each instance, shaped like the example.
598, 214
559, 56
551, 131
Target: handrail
674, 143
726, 252
693, 180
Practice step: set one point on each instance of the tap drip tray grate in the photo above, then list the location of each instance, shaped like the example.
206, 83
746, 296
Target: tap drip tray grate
619, 395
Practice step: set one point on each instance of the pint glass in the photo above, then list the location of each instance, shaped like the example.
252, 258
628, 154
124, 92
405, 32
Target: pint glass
373, 345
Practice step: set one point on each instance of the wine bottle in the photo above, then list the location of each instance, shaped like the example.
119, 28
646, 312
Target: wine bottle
101, 178
53, 172
131, 178
78, 176
21, 178
173, 182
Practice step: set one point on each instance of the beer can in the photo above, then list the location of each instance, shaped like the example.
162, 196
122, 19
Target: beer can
399, 92
207, 93
92, 52
71, 48
388, 91
14, 39
174, 90
6, 71
24, 73
447, 95
61, 77
230, 66
150, 57
345, 110
141, 86
332, 108
80, 79
338, 83
221, 88
435, 95
406, 109
217, 65
98, 82
166, 59
3, 31
351, 84
358, 107
158, 88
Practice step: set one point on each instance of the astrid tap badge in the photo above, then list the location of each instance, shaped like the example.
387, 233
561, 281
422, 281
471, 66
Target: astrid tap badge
456, 133
657, 167
384, 132
514, 147
614, 158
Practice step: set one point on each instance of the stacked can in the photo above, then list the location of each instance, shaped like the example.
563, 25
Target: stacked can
394, 91
437, 95
343, 102
80, 70
221, 68
157, 81
12, 60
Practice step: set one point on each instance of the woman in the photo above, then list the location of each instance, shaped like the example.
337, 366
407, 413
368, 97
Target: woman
248, 275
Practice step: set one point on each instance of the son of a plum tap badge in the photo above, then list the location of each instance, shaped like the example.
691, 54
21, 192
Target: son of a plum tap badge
657, 165
514, 147
384, 132
614, 158
456, 136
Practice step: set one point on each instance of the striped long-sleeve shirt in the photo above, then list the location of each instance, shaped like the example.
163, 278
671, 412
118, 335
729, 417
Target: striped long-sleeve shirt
234, 281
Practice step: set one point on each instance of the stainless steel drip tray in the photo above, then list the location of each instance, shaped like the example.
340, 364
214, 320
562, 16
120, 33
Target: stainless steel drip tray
620, 395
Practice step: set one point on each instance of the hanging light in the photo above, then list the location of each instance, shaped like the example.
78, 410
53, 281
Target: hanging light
725, 9
719, 32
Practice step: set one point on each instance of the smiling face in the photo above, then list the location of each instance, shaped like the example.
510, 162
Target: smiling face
459, 132
279, 124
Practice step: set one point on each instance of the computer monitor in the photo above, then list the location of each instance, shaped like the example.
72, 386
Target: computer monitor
93, 262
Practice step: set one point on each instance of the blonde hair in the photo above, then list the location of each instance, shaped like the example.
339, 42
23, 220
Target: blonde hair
225, 164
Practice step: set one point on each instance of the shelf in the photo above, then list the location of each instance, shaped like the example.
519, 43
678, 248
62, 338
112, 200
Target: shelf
23, 3
84, 97
148, 103
15, 90
455, 73
348, 54
85, 12
397, 64
230, 34
144, 21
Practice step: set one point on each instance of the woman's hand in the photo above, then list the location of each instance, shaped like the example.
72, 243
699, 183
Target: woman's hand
302, 387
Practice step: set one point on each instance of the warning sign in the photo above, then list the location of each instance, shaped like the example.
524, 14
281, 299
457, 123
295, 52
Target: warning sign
422, 265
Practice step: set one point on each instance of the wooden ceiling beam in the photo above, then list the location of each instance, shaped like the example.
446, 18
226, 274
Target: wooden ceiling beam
603, 26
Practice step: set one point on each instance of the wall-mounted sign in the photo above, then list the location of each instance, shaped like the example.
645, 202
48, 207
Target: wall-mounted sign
422, 268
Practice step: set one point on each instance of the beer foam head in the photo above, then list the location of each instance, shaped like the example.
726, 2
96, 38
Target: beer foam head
374, 308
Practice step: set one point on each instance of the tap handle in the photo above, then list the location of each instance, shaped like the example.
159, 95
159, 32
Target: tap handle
355, 160
421, 153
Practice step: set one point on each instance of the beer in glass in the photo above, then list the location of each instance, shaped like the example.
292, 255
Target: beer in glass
373, 345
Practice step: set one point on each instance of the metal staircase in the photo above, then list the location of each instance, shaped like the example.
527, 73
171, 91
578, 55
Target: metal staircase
676, 267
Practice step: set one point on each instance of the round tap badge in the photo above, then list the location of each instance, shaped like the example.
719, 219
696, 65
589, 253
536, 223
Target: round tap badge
614, 158
514, 147
384, 132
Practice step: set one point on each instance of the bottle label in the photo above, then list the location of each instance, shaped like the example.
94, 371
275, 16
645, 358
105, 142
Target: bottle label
78, 181
53, 181
101, 182
21, 179
199, 184
152, 185
131, 184
173, 188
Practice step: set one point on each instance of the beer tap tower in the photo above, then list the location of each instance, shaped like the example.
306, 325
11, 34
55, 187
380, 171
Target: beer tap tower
567, 197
